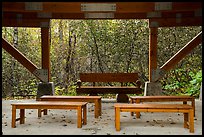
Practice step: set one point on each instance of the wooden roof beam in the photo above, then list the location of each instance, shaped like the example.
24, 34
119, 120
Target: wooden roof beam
142, 15
40, 15
175, 22
25, 22
121, 7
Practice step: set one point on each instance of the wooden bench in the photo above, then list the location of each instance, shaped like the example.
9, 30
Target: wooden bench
186, 109
140, 99
91, 99
113, 83
40, 105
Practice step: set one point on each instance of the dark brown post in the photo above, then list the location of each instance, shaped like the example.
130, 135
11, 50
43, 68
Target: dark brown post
152, 51
45, 49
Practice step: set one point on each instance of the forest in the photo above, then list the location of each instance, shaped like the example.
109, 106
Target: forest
100, 46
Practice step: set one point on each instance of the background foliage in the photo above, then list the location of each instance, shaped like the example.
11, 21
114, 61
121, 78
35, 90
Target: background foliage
100, 46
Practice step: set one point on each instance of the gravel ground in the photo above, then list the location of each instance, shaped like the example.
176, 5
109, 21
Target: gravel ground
64, 122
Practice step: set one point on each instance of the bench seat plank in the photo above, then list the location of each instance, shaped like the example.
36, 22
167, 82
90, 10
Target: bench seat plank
109, 89
183, 98
79, 106
155, 106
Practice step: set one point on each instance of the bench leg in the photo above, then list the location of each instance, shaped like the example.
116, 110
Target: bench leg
138, 102
79, 117
137, 113
117, 119
45, 111
193, 105
84, 115
96, 111
100, 107
191, 121
39, 112
22, 116
185, 120
13, 120
131, 102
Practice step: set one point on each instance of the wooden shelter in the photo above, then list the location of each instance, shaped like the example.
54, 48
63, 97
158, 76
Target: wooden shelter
159, 14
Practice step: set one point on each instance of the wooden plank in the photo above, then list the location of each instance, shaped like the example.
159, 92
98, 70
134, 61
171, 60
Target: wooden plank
155, 106
162, 97
182, 53
176, 22
121, 7
108, 89
186, 6
141, 15
140, 99
59, 98
24, 22
18, 56
69, 7
108, 77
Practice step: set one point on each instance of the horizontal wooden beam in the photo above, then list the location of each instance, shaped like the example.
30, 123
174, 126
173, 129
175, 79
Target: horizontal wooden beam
142, 15
121, 7
13, 20
25, 22
33, 15
175, 22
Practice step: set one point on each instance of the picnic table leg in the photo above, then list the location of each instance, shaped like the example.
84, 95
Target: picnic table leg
191, 121
22, 116
84, 115
117, 119
13, 120
79, 117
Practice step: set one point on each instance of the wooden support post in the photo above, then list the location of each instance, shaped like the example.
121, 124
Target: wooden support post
45, 49
152, 51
